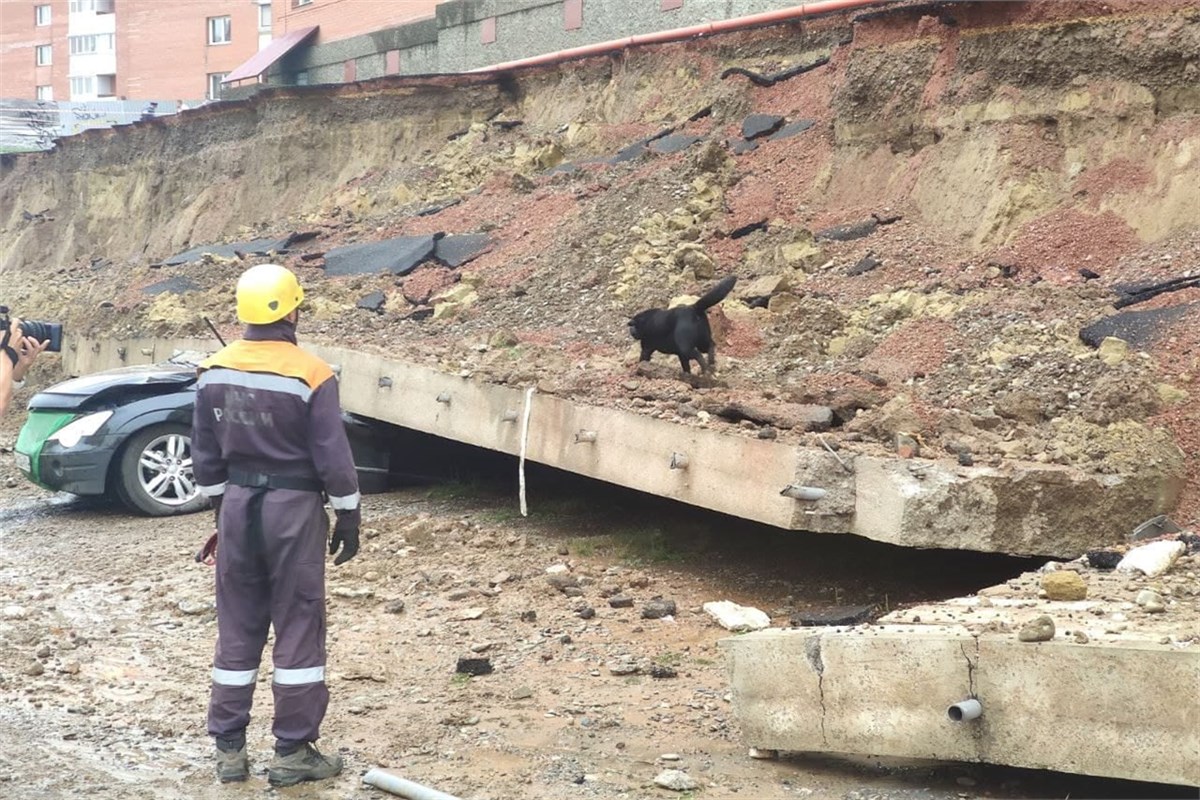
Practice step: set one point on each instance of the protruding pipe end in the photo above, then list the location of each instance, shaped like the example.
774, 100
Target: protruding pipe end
965, 710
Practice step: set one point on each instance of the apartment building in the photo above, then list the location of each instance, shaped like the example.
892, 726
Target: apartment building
81, 50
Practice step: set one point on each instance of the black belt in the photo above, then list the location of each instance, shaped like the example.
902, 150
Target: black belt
259, 480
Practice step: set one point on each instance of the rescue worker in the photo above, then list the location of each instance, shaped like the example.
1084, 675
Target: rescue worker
267, 440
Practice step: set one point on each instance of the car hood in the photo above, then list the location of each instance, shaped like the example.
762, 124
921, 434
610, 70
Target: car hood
111, 386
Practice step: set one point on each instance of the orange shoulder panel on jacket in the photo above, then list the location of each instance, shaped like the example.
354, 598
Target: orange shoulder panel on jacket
279, 358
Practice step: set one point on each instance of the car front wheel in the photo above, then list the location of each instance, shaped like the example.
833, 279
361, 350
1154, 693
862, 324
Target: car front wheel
155, 472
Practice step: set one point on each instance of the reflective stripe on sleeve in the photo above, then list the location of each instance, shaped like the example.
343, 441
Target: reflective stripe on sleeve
299, 677
346, 502
255, 380
212, 491
234, 677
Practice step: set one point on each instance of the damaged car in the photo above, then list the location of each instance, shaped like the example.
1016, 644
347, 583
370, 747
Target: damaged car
126, 433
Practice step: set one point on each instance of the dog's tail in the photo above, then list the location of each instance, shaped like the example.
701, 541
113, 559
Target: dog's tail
715, 294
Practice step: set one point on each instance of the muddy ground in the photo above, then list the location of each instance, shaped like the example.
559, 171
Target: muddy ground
107, 628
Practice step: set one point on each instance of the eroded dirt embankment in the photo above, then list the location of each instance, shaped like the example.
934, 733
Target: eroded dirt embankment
1008, 168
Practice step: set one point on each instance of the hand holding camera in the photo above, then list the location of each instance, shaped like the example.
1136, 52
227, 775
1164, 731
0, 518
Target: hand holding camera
23, 340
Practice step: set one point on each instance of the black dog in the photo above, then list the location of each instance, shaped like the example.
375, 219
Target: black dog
681, 331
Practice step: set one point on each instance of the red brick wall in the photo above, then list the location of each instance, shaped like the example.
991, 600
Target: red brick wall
19, 74
341, 19
163, 51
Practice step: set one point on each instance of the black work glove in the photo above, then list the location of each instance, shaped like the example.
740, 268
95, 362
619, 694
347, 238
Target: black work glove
345, 535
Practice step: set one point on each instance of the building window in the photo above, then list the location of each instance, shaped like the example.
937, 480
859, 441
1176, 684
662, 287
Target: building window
264, 17
83, 85
220, 30
42, 15
214, 84
302, 78
106, 85
45, 93
299, 3
91, 6
43, 53
92, 43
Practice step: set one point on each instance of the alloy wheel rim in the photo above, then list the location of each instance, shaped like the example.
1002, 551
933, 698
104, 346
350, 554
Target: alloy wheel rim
165, 470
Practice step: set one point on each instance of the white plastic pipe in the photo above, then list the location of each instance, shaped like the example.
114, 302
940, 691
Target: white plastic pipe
965, 710
524, 445
400, 787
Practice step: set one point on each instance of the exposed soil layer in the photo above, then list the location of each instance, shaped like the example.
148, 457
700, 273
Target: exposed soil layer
975, 183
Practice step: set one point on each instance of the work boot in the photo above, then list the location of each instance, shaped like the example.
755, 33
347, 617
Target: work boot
232, 765
306, 763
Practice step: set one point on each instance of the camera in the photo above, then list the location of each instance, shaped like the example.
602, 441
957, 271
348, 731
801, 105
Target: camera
42, 331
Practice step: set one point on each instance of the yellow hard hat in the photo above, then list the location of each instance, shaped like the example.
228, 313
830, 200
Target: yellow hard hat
267, 293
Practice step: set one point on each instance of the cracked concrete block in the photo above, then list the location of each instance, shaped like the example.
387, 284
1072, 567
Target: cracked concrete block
1023, 508
885, 691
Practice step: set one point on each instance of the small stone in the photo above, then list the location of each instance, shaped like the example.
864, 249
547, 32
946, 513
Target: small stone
522, 693
623, 668
587, 612
352, 594
1103, 559
657, 608
529, 616
621, 601
669, 757
1037, 630
34, 669
192, 607
394, 607
676, 780
1064, 585
470, 614
43, 651
1080, 637
661, 671
1113, 351
563, 582
1147, 596
966, 459
474, 666
907, 446
15, 612
481, 647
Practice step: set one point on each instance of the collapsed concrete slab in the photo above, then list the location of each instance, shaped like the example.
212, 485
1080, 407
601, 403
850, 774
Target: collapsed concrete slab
1112, 694
1021, 508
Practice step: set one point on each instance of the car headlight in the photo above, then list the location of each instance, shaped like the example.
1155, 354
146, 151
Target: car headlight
70, 434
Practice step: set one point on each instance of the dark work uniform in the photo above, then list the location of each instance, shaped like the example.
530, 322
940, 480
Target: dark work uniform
268, 435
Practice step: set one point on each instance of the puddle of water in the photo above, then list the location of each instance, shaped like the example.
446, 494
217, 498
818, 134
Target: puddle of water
17, 514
